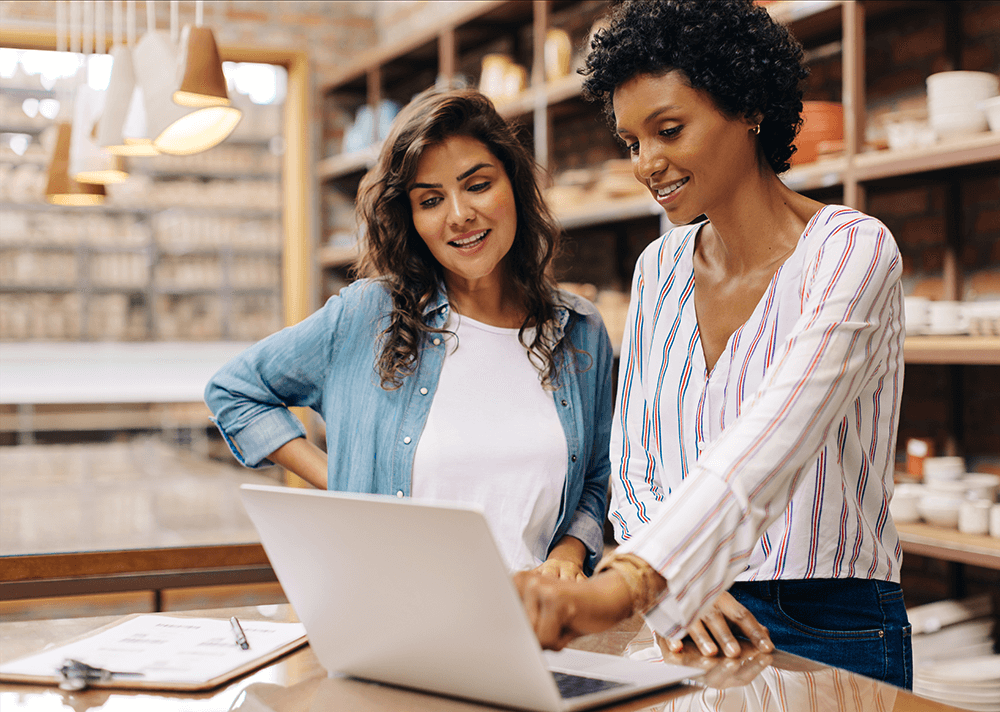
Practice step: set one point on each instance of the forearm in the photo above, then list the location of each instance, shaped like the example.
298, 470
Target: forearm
304, 459
571, 549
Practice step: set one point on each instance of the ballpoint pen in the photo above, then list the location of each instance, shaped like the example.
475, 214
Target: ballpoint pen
76, 675
241, 639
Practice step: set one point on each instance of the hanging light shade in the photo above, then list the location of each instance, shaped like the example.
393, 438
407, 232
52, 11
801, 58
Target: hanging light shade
88, 162
202, 81
134, 131
175, 129
118, 108
61, 189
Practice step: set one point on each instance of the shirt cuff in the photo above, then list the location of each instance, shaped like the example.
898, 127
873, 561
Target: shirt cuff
262, 436
584, 528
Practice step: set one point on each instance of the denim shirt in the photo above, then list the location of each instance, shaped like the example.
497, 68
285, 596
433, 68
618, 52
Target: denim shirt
327, 363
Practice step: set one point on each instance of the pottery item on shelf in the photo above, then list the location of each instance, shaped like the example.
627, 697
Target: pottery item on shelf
491, 78
995, 520
558, 51
943, 468
822, 121
903, 505
982, 485
515, 81
915, 313
940, 511
945, 317
974, 516
953, 102
909, 129
918, 450
991, 107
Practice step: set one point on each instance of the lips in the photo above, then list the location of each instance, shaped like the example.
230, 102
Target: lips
470, 240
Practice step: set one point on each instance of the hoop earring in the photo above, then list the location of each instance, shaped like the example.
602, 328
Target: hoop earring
756, 130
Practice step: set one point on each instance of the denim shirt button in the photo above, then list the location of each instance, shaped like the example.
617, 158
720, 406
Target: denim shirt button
399, 494
565, 402
406, 440
573, 458
423, 391
437, 342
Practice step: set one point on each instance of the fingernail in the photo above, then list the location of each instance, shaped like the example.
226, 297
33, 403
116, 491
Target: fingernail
733, 649
708, 649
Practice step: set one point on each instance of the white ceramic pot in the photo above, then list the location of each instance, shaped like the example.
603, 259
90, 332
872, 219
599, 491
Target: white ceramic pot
940, 511
974, 516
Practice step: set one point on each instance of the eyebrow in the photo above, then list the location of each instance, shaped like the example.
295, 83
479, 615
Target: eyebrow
461, 177
653, 114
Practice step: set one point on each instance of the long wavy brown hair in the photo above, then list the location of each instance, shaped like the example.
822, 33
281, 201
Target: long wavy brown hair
395, 252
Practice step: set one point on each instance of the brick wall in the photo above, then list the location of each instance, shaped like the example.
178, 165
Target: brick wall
332, 32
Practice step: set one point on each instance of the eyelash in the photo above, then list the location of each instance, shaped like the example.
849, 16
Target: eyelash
672, 132
477, 188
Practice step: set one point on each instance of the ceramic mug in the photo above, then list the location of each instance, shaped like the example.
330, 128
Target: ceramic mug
995, 520
974, 516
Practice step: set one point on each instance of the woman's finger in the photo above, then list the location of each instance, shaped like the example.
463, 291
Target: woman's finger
743, 619
718, 627
702, 639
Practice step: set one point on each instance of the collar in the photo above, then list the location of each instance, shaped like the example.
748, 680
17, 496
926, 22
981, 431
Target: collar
436, 311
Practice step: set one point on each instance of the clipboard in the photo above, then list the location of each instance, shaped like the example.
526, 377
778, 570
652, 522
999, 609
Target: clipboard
172, 653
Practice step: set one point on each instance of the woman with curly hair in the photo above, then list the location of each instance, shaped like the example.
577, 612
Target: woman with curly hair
753, 444
455, 369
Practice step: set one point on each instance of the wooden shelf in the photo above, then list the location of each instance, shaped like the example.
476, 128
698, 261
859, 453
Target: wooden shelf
950, 545
966, 151
969, 350
344, 164
337, 256
818, 174
608, 211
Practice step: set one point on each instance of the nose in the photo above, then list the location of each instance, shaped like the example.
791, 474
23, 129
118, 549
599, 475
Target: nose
648, 163
460, 211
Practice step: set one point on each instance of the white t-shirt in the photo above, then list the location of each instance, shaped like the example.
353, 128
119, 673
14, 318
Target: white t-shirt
493, 438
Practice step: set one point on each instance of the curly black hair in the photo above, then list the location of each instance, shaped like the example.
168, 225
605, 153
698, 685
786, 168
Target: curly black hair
733, 50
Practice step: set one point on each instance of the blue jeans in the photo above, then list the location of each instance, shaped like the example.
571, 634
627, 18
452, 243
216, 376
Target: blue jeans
858, 625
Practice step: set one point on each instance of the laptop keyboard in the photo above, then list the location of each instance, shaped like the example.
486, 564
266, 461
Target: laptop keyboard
575, 685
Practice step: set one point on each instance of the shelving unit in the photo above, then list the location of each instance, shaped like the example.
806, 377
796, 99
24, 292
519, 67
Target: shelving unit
615, 230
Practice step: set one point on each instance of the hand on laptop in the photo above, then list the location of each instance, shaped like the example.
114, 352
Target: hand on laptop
714, 630
561, 610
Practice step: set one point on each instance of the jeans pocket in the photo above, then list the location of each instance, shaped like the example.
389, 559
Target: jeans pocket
822, 626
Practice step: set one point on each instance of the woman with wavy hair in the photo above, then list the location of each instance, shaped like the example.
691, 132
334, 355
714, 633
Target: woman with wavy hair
753, 444
455, 369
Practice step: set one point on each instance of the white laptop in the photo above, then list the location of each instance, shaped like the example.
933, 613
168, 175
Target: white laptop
417, 595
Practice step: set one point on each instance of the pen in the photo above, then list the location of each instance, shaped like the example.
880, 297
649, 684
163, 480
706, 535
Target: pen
241, 639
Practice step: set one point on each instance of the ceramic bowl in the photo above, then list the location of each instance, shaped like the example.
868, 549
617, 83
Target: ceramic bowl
940, 511
982, 485
952, 124
903, 505
943, 468
991, 107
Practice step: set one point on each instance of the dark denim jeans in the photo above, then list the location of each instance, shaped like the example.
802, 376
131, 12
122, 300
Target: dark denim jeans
854, 624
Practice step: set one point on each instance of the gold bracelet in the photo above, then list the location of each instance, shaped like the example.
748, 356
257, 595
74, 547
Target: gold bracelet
642, 580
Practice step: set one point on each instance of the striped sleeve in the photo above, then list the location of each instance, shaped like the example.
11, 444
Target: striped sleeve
636, 491
704, 533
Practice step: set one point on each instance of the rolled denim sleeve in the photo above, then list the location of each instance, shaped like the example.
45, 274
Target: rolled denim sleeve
250, 396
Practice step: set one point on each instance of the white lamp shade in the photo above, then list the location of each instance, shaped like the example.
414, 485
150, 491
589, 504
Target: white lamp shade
199, 130
117, 99
134, 131
175, 129
88, 162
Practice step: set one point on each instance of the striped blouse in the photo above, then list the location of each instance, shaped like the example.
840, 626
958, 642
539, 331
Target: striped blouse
778, 463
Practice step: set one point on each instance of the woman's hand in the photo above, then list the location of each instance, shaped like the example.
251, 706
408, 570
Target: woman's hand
713, 631
561, 610
565, 561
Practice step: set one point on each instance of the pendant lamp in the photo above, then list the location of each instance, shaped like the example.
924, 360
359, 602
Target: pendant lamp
175, 129
88, 162
202, 81
120, 106
61, 189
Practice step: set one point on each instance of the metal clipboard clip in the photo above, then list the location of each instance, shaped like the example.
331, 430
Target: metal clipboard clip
76, 675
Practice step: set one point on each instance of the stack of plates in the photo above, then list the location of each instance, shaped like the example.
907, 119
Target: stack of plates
954, 99
970, 684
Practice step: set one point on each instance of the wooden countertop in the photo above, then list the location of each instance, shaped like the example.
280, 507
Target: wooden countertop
298, 683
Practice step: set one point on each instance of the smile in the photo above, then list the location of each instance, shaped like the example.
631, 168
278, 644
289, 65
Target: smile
471, 240
670, 189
